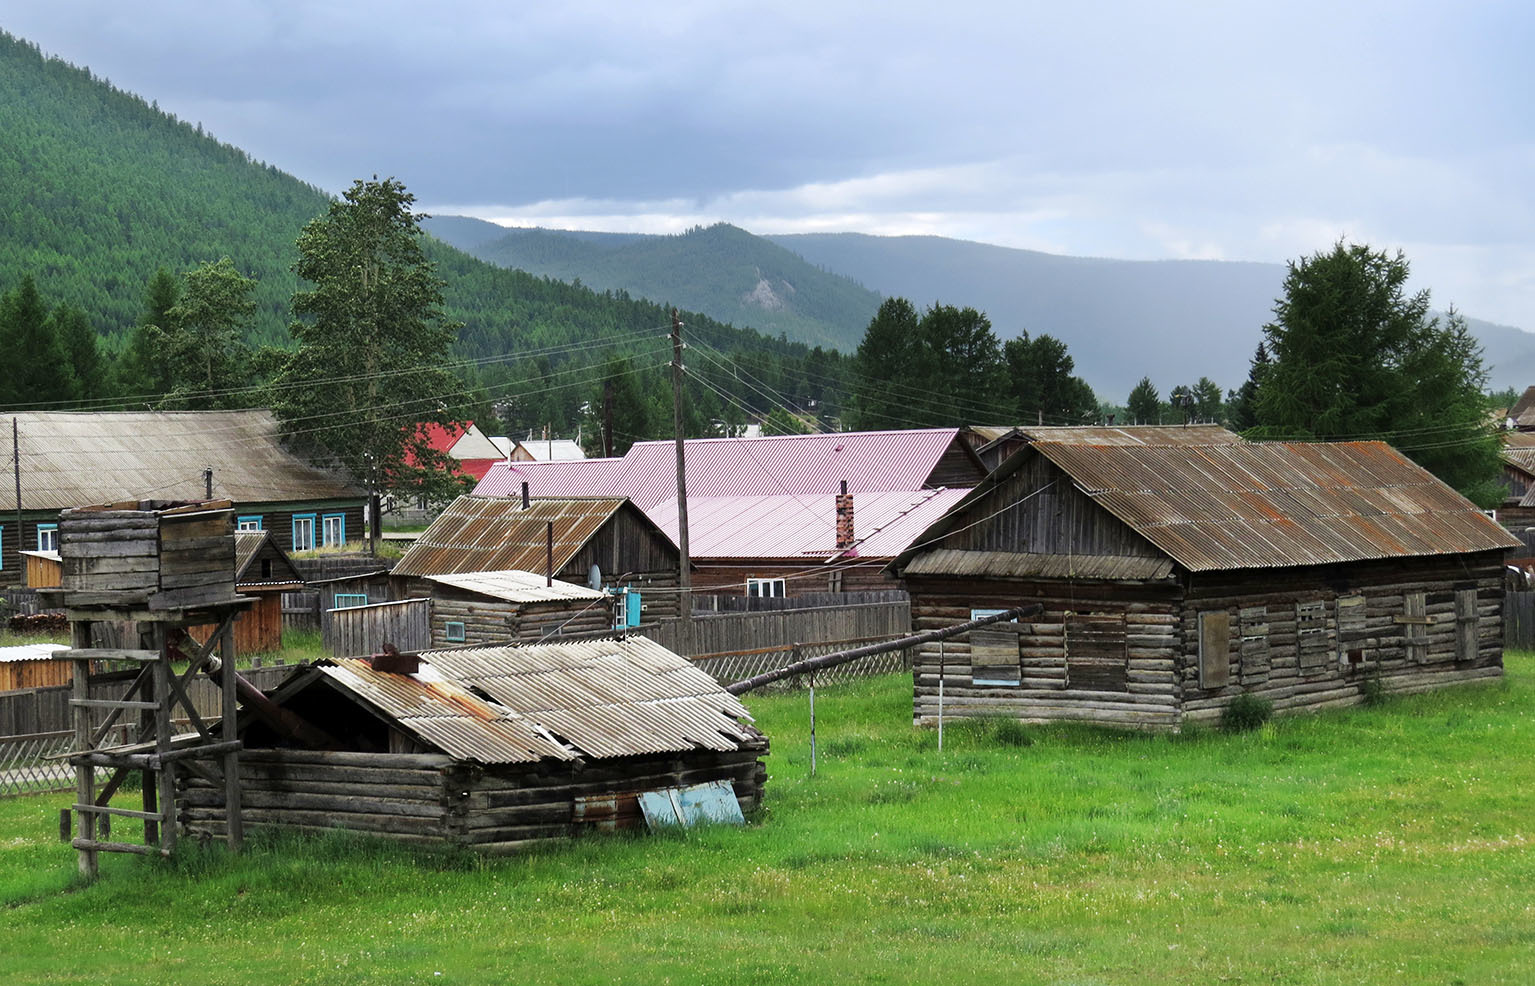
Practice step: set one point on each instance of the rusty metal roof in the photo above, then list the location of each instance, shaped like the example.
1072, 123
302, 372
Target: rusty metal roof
73, 458
1278, 504
1018, 564
1519, 450
578, 700
517, 587
490, 534
1158, 435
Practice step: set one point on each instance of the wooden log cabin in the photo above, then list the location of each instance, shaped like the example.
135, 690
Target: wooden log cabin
574, 539
75, 458
1175, 578
512, 607
496, 749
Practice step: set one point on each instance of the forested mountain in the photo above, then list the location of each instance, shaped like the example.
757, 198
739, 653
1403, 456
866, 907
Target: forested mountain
100, 190
722, 270
1172, 320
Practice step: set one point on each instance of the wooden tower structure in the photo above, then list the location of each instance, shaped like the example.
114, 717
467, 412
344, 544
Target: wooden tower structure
165, 566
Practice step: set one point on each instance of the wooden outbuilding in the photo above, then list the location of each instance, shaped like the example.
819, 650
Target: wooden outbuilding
45, 569
603, 542
1175, 578
512, 607
495, 749
35, 666
264, 572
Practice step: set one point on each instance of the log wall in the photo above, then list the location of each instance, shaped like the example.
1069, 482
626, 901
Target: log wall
496, 621
430, 799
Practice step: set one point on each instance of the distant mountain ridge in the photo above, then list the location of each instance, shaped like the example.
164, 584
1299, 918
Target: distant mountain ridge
722, 270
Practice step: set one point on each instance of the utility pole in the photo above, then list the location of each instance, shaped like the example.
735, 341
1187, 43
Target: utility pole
16, 458
607, 418
208, 483
685, 582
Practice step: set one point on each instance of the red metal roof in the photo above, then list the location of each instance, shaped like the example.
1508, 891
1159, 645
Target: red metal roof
802, 527
776, 465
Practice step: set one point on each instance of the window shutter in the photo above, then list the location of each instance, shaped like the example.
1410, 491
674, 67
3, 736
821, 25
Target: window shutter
1214, 649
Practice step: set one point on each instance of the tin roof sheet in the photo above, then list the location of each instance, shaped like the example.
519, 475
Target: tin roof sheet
31, 652
492, 534
774, 465
1157, 435
1012, 564
73, 458
517, 586
1278, 504
803, 527
584, 699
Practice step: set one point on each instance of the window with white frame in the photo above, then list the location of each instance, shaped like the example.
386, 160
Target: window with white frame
333, 530
250, 522
303, 532
765, 588
47, 537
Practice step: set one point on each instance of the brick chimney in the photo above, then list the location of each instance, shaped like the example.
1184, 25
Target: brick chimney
845, 536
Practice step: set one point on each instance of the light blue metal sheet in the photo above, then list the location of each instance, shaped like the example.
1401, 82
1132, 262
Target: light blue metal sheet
687, 806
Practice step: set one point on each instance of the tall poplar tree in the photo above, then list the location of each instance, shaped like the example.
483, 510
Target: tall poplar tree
373, 343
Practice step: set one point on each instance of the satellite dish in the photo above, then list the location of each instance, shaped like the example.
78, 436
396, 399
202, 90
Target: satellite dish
594, 578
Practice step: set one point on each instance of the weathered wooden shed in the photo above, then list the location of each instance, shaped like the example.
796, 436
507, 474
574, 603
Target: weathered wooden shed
45, 569
512, 607
1175, 578
497, 749
567, 538
263, 572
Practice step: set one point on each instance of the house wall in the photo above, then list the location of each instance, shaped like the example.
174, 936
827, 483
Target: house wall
801, 576
432, 799
957, 468
496, 621
12, 568
1409, 624
257, 629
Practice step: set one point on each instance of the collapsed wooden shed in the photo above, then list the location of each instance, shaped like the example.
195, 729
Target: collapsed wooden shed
1175, 578
496, 749
512, 607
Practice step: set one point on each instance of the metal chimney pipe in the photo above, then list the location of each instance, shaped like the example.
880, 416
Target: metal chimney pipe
549, 556
525, 503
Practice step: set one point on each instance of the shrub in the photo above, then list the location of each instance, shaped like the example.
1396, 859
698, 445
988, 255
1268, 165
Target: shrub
1245, 713
1373, 690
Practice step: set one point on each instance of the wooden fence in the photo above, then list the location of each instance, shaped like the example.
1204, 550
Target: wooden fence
736, 632
362, 630
1519, 620
301, 610
17, 601
705, 605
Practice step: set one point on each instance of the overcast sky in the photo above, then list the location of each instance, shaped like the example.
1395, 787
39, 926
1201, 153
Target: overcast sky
1240, 131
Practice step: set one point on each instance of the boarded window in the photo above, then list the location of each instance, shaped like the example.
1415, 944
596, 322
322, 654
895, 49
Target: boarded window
993, 654
1254, 622
1096, 659
1311, 644
1465, 625
1214, 649
1415, 620
1353, 629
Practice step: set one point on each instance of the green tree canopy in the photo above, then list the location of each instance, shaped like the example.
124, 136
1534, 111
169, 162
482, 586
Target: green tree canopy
373, 344
1041, 382
944, 368
202, 339
1356, 357
26, 332
1144, 404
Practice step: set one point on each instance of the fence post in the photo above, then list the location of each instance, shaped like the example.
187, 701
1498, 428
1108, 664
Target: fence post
812, 722
940, 695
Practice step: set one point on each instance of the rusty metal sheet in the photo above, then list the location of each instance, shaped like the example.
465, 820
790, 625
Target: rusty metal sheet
1274, 504
1007, 564
492, 534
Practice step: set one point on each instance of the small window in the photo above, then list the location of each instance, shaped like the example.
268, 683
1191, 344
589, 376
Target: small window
994, 654
1096, 656
250, 522
1311, 635
1253, 622
266, 568
303, 532
1214, 649
1416, 621
1353, 629
47, 537
350, 600
333, 531
765, 588
453, 630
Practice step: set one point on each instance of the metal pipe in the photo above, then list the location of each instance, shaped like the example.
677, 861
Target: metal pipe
869, 650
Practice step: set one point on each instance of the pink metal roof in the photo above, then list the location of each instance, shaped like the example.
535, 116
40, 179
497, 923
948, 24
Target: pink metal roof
884, 523
777, 465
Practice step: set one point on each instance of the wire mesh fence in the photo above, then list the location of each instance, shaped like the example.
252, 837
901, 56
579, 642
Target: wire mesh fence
728, 667
32, 763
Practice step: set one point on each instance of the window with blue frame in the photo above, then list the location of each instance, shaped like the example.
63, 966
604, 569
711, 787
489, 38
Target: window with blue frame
349, 600
303, 532
47, 537
453, 630
250, 522
333, 530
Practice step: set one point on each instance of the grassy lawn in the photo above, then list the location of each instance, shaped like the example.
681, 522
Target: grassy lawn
1381, 845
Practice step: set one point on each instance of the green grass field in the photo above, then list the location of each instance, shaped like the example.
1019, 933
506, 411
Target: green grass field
1380, 845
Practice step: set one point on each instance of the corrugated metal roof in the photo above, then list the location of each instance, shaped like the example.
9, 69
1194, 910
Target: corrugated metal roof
1010, 564
585, 699
52, 556
1523, 411
1278, 504
1158, 435
31, 652
802, 527
551, 450
517, 586
775, 465
73, 458
492, 534
1519, 450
